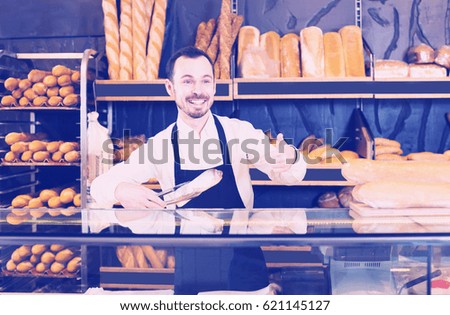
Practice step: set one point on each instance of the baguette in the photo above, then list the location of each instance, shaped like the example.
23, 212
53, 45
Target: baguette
156, 38
125, 256
150, 253
112, 37
140, 33
139, 256
126, 41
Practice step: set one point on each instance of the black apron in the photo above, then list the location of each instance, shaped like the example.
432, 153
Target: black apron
209, 269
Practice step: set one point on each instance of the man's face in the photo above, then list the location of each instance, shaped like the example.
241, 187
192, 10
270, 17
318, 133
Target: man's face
192, 86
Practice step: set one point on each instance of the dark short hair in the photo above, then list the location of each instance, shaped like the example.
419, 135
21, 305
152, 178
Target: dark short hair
189, 52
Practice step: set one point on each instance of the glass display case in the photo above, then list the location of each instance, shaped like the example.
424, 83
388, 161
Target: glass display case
307, 251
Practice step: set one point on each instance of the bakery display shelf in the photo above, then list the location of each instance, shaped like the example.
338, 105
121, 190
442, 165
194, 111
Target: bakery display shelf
136, 278
307, 88
154, 90
3, 163
46, 274
41, 108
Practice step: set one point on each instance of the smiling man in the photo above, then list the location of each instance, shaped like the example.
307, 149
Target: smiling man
197, 141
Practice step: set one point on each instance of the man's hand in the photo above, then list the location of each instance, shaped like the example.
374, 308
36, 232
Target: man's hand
284, 157
136, 196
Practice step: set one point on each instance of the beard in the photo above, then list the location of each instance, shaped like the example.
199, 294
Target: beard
193, 112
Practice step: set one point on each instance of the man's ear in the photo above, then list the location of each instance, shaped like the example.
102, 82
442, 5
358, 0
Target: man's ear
169, 87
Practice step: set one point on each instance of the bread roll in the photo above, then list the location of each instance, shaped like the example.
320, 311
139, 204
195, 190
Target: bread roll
46, 194
71, 100
156, 38
23, 101
56, 247
333, 55
17, 94
64, 256
14, 137
50, 81
40, 101
54, 101
420, 54
427, 71
363, 170
37, 145
75, 77
391, 69
48, 257
72, 156
38, 249
24, 251
10, 265
353, 51
53, 146
35, 203
25, 84
111, 24
77, 200
328, 200
402, 194
10, 157
30, 94
55, 202
67, 195
53, 91
24, 266
60, 70
19, 202
34, 259
41, 156
443, 56
58, 156
427, 156
37, 75
64, 80
11, 84
345, 196
270, 42
248, 38
57, 267
66, 90
39, 88
349, 155
290, 56
68, 146
41, 267
19, 147
312, 52
74, 264
8, 100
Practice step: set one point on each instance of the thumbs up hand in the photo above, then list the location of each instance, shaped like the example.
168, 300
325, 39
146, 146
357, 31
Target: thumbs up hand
285, 155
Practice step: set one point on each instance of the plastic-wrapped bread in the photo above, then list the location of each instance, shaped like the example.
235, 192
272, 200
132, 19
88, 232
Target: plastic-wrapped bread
363, 170
443, 56
312, 54
112, 37
140, 33
333, 55
427, 71
126, 41
290, 56
270, 42
399, 194
353, 51
248, 37
386, 69
420, 54
156, 39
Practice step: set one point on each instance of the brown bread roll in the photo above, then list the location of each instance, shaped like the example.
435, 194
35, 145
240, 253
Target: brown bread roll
35, 203
57, 267
24, 251
58, 156
64, 256
75, 77
40, 101
68, 146
72, 156
14, 137
53, 146
50, 81
37, 145
30, 94
41, 156
53, 91
23, 101
37, 75
34, 259
46, 194
74, 264
10, 157
60, 70
56, 247
10, 265
25, 84
15, 257
20, 147
17, 94
328, 200
8, 100
19, 202
41, 267
345, 196
64, 80
54, 101
38, 249
39, 88
11, 84
77, 200
55, 202
24, 266
67, 195
71, 100
66, 90
48, 257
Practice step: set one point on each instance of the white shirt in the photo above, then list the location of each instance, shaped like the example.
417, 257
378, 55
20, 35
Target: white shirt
247, 146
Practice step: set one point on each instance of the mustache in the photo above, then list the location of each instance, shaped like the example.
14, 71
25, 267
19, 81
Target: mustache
197, 97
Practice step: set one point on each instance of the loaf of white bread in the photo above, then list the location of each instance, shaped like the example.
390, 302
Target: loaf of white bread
270, 42
334, 55
312, 52
249, 63
353, 50
394, 69
290, 56
427, 71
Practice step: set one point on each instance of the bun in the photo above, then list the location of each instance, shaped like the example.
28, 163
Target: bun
64, 80
50, 81
60, 70
11, 84
443, 56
